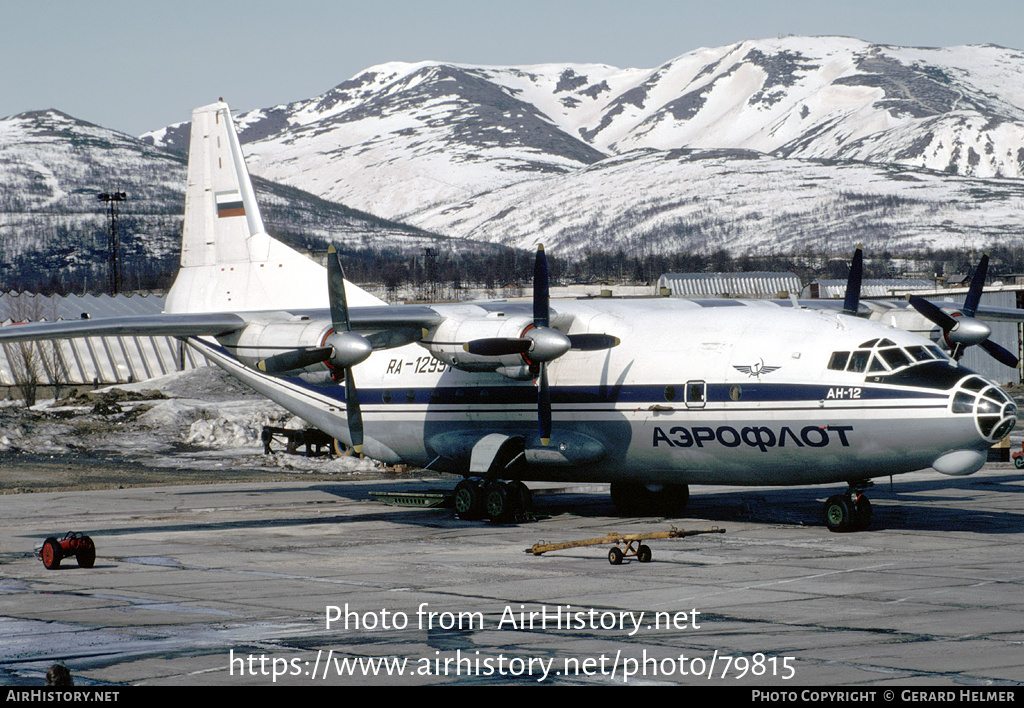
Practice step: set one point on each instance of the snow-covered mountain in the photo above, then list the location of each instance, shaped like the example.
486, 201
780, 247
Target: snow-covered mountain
829, 130
54, 229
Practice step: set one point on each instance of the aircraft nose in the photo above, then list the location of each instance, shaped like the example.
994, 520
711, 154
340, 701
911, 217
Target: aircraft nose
995, 413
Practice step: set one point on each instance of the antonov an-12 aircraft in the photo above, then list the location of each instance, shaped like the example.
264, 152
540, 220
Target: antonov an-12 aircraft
650, 395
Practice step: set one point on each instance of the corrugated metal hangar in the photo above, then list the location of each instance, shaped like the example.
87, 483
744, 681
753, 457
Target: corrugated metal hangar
90, 360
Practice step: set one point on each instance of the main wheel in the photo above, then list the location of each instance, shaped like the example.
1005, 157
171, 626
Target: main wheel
51, 553
615, 556
838, 514
521, 495
469, 500
498, 502
862, 514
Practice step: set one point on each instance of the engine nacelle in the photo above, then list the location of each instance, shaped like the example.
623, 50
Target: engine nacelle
262, 340
446, 342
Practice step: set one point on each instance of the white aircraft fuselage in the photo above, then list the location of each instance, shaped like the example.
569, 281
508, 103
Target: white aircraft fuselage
712, 392
641, 393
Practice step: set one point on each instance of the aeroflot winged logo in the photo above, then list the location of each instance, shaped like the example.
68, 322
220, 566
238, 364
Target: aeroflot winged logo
757, 369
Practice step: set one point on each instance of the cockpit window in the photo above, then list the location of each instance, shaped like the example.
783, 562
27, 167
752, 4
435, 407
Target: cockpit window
858, 361
838, 361
883, 355
920, 353
894, 357
876, 364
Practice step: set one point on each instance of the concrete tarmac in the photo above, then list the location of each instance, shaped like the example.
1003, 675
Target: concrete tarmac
315, 583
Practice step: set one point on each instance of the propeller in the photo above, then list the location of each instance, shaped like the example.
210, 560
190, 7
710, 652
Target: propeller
348, 343
965, 330
540, 343
342, 349
852, 299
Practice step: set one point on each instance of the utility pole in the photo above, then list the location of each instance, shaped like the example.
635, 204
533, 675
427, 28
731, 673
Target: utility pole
113, 259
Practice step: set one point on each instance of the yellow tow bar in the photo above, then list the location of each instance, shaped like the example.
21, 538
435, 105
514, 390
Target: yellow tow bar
615, 555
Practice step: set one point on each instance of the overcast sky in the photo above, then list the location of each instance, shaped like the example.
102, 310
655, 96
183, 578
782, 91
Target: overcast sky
138, 65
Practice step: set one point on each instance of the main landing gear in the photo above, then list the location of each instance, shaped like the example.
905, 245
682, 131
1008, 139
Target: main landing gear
501, 501
850, 511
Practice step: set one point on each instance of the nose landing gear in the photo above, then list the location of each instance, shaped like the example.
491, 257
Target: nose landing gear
850, 511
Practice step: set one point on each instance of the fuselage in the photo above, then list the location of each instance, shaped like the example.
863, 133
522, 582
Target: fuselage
712, 392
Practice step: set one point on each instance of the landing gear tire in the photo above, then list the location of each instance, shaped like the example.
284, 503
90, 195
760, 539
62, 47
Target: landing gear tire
862, 514
498, 502
634, 499
838, 515
847, 512
615, 556
469, 500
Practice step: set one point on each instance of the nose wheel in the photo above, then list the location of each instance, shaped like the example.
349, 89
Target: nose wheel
848, 512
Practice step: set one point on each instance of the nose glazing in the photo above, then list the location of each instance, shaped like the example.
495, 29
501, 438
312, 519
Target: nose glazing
995, 413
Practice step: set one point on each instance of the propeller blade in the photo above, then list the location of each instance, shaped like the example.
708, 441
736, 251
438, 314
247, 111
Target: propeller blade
353, 412
497, 346
544, 407
541, 290
336, 291
593, 342
1000, 354
341, 323
932, 312
297, 359
852, 300
977, 285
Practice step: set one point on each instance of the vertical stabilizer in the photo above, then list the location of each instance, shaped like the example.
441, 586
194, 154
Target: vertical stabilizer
228, 261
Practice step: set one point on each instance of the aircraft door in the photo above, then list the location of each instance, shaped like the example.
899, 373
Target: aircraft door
696, 394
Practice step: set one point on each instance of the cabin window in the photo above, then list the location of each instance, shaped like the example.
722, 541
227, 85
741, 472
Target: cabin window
670, 393
838, 361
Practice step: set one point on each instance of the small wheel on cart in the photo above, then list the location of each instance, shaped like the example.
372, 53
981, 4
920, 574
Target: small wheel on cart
615, 556
87, 554
643, 554
51, 553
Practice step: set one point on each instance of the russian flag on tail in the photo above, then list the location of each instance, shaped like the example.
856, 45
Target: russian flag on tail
229, 204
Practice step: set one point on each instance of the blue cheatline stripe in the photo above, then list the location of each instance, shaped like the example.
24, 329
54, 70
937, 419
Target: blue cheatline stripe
624, 395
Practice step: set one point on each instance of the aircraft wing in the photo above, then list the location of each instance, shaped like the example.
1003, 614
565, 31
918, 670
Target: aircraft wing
169, 325
377, 318
870, 306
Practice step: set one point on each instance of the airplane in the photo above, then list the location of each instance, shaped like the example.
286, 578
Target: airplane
648, 395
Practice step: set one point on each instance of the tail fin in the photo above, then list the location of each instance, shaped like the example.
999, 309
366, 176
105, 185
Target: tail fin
228, 261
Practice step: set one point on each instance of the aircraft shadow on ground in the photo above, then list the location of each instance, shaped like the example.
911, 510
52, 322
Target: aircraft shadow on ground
921, 505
